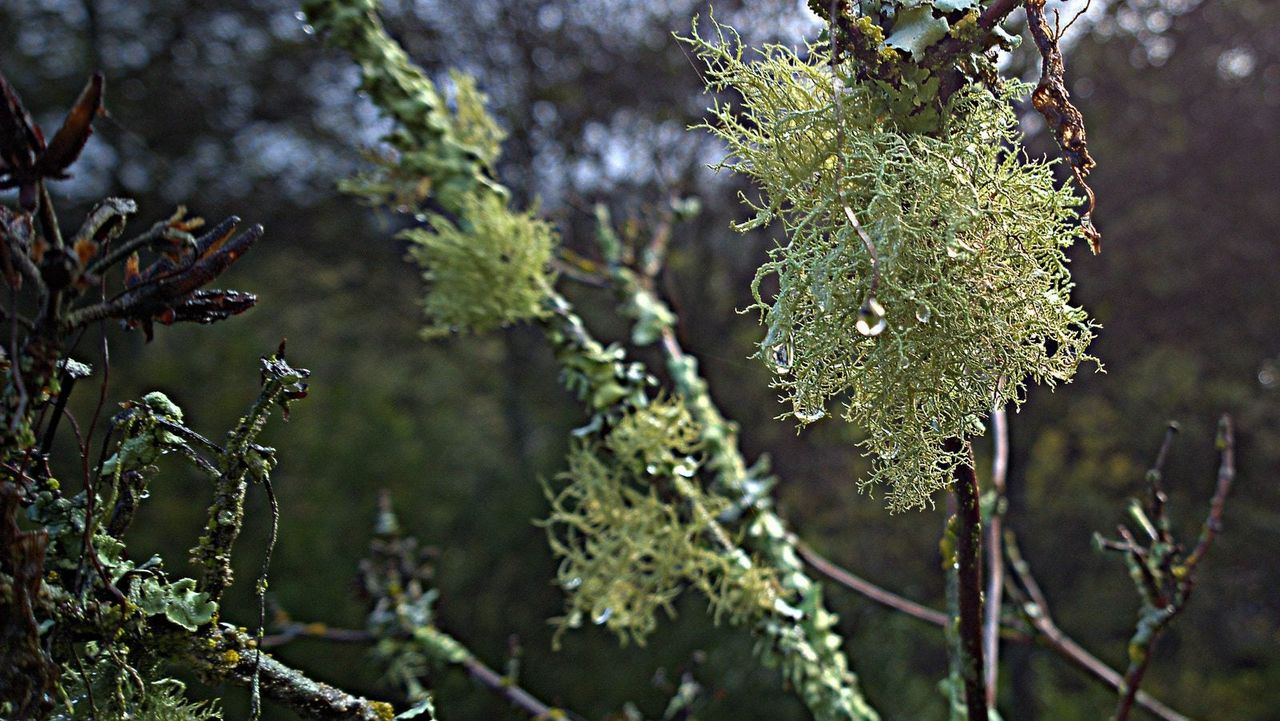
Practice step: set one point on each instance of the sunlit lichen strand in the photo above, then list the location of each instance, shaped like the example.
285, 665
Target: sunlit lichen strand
969, 237
486, 270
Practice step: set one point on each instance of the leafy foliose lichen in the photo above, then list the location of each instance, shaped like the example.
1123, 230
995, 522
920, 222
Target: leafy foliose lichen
632, 529
967, 236
487, 269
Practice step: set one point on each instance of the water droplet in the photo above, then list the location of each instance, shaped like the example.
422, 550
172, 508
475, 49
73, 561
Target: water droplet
572, 583
301, 16
808, 415
871, 318
923, 314
781, 358
821, 292
687, 468
603, 616
309, 29
1269, 375
651, 469
905, 363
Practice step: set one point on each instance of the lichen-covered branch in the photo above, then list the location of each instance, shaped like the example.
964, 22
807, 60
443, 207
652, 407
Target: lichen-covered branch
440, 154
766, 536
495, 683
242, 461
967, 523
228, 655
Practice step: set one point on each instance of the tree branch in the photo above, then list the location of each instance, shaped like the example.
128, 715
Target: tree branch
866, 588
1023, 586
1052, 100
995, 558
501, 686
1164, 578
968, 562
234, 660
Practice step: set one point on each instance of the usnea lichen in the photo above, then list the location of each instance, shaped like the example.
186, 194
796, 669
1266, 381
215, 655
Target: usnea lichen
969, 283
627, 549
487, 264
486, 270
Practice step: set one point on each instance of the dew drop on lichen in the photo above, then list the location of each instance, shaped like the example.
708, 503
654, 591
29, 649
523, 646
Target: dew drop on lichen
603, 616
808, 415
871, 318
781, 358
571, 583
923, 314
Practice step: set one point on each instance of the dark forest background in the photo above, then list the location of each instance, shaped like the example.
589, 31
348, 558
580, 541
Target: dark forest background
233, 107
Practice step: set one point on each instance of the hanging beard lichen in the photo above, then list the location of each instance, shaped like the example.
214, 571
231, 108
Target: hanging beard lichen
632, 529
487, 269
967, 237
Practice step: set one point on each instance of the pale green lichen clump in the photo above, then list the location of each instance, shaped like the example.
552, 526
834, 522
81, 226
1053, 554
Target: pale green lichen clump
632, 529
969, 237
487, 264
485, 271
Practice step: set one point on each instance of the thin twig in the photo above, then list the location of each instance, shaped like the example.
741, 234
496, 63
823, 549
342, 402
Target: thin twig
995, 558
866, 588
1226, 443
118, 253
490, 680
1052, 100
48, 219
1035, 610
1155, 481
1072, 21
261, 591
